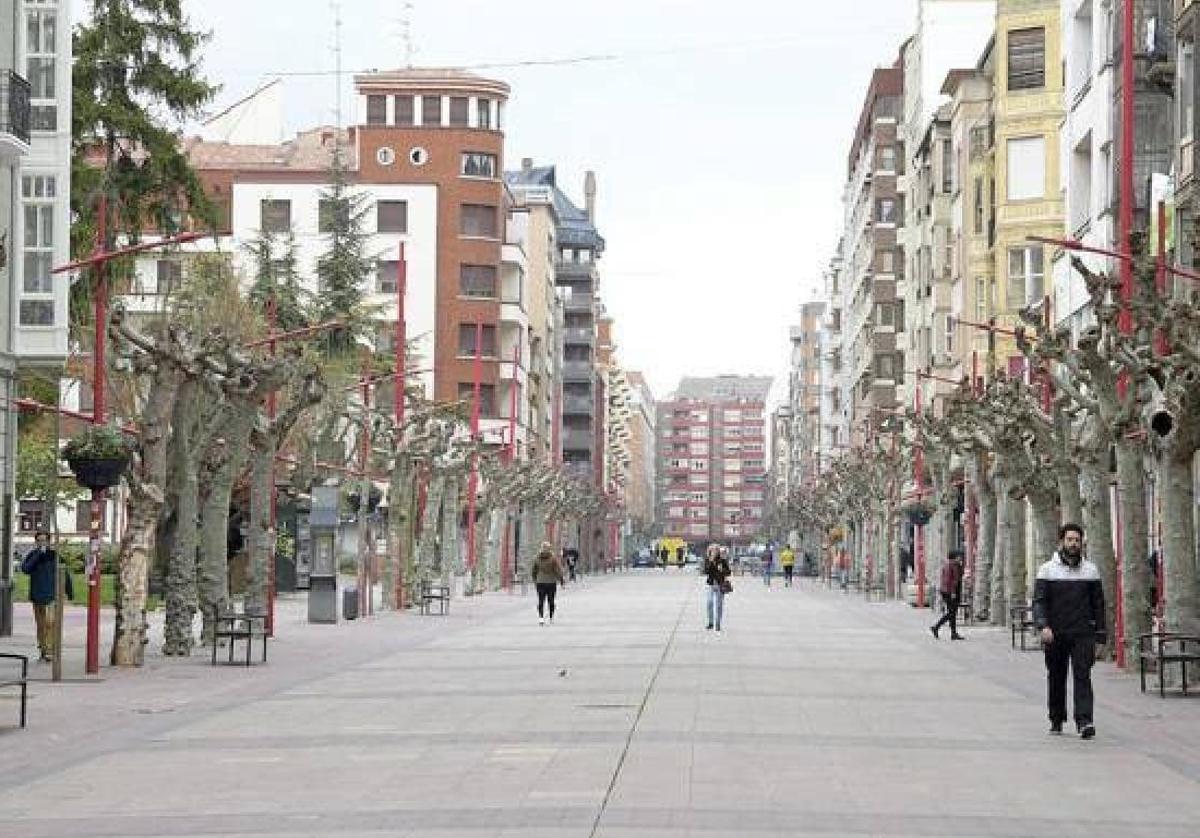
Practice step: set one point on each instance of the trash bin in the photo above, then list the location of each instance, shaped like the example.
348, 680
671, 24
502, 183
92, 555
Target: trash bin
350, 604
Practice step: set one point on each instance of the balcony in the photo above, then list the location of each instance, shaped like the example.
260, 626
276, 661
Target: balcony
578, 405
579, 335
14, 114
568, 268
578, 371
577, 439
584, 303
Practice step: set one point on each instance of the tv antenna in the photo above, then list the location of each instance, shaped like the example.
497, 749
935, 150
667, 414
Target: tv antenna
337, 53
406, 33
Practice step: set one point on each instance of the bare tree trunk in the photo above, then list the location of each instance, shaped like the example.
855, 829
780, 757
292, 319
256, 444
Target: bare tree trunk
1182, 604
1097, 522
450, 518
431, 527
400, 504
261, 541
1135, 575
1045, 525
1015, 563
495, 538
181, 594
998, 607
145, 505
214, 518
1070, 499
985, 548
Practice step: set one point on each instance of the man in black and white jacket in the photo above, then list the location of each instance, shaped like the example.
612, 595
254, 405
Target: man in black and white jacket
1068, 609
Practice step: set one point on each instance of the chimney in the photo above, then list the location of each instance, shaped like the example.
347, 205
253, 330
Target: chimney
526, 164
589, 195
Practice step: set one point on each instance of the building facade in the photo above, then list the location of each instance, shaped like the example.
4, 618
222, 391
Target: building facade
640, 493
712, 459
805, 389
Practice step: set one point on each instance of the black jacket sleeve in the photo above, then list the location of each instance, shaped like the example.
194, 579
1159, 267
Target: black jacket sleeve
1096, 599
1041, 603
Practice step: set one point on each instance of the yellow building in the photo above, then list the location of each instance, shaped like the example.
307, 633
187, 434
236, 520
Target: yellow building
1027, 113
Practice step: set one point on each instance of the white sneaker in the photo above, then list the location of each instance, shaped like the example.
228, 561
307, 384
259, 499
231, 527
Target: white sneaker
541, 621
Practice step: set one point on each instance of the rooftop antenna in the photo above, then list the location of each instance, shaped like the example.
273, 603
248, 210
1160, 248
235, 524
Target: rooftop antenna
406, 35
337, 53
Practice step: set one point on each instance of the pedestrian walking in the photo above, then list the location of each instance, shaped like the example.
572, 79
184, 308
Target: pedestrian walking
716, 572
765, 562
41, 564
1068, 610
547, 576
950, 588
787, 560
571, 555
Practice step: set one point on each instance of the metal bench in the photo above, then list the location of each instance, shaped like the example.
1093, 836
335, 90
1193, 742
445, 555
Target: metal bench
431, 593
9, 679
234, 627
1157, 648
966, 610
1020, 621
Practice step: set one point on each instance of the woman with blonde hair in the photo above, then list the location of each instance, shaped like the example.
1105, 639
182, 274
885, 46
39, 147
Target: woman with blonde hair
716, 572
547, 576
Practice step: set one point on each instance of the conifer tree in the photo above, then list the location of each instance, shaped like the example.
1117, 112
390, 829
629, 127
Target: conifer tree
344, 269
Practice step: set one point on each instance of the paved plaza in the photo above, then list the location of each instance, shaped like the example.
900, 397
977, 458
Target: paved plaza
814, 713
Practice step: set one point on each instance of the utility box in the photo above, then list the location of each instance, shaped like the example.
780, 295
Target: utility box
350, 604
323, 525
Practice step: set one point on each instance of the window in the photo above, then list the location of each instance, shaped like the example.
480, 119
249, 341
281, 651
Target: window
885, 211
698, 497
1026, 168
275, 216
387, 276
1027, 59
391, 216
885, 158
32, 515
483, 111
698, 448
950, 333
431, 110
487, 397
978, 205
1187, 86
699, 465
947, 167
698, 479
477, 281
327, 215
1025, 276
885, 367
886, 314
887, 261
478, 164
459, 111
168, 276
37, 304
478, 220
376, 110
404, 110
41, 32
982, 304
466, 340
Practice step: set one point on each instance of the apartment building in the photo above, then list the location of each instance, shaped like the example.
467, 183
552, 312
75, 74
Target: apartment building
640, 492
1186, 151
835, 391
805, 386
872, 261
579, 248
712, 459
35, 190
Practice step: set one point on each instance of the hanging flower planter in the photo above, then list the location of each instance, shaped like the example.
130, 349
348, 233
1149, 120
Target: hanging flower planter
98, 456
918, 512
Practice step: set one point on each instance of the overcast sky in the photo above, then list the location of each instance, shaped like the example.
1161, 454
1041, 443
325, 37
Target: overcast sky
718, 136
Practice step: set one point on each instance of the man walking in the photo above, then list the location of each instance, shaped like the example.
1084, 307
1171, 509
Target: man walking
950, 587
41, 563
787, 560
766, 560
1068, 610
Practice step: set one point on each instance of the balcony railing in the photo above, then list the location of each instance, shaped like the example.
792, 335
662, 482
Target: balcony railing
579, 302
14, 105
578, 404
578, 370
576, 439
579, 335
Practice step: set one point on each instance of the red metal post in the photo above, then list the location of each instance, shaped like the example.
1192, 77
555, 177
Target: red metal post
555, 455
399, 385
99, 391
473, 480
272, 409
365, 600
510, 455
1119, 540
919, 529
1125, 216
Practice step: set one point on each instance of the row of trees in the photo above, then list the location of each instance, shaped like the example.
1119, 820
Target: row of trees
194, 380
1101, 428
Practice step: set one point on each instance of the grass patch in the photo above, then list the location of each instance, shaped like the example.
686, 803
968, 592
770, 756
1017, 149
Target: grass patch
108, 584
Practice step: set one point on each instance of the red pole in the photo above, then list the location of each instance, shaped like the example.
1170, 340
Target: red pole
473, 480
398, 393
919, 529
272, 408
365, 600
99, 387
555, 455
511, 457
1119, 539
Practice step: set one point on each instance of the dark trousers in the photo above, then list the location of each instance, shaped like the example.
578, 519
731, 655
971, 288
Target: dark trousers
1079, 653
788, 570
951, 615
545, 592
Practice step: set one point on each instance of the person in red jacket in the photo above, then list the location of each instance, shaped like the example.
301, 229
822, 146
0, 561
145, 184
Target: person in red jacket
950, 587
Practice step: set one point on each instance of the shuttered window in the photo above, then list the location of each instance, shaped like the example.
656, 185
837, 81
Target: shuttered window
1027, 59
